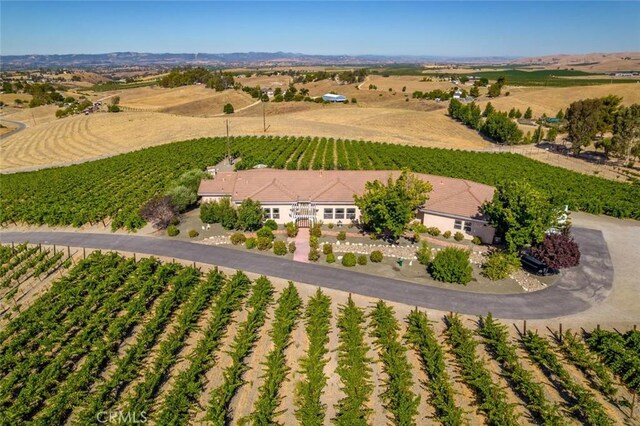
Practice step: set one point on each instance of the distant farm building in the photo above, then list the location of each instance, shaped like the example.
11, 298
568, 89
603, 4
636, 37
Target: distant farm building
457, 94
330, 97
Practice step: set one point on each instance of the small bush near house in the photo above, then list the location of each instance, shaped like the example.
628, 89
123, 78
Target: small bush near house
433, 231
331, 225
349, 260
265, 232
451, 265
376, 256
271, 224
292, 229
264, 243
314, 255
327, 248
292, 247
557, 251
424, 254
331, 258
476, 240
172, 230
193, 233
350, 225
447, 234
315, 230
500, 265
280, 248
238, 238
313, 242
362, 260
342, 236
458, 236
419, 228
250, 243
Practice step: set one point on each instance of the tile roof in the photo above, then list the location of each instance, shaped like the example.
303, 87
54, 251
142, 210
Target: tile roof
450, 196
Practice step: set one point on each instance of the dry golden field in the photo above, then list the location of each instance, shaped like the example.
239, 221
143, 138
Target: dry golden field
190, 112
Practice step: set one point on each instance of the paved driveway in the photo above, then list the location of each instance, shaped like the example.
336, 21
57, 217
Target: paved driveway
576, 290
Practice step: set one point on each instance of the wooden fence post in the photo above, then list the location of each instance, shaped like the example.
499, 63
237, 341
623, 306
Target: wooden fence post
84, 253
68, 251
560, 332
524, 327
54, 249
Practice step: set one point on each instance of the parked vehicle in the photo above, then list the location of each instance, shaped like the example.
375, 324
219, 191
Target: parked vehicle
536, 266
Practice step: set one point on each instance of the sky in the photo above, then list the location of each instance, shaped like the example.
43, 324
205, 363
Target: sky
456, 28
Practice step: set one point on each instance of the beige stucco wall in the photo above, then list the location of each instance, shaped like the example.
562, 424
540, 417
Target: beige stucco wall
484, 231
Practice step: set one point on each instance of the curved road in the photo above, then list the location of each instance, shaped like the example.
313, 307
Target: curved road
576, 290
20, 126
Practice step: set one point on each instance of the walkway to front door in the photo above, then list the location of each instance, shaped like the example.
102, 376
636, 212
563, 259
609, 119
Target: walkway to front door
302, 246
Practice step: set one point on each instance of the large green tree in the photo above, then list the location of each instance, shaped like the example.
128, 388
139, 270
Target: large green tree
250, 215
520, 214
500, 128
626, 132
583, 122
387, 209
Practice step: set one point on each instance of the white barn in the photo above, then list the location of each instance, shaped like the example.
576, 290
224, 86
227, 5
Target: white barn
309, 196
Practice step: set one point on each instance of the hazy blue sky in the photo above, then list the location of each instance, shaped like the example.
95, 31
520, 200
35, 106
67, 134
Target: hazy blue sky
404, 28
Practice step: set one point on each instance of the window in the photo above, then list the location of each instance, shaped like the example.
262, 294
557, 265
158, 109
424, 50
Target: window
267, 213
351, 214
275, 214
467, 227
339, 214
328, 213
457, 224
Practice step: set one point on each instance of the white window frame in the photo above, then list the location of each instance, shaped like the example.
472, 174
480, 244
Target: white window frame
351, 213
275, 213
467, 227
338, 213
328, 213
457, 224
267, 212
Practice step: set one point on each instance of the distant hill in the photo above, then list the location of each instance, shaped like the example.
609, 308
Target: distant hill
221, 59
590, 62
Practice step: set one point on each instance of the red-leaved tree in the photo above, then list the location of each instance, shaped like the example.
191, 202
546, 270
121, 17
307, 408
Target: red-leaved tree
557, 251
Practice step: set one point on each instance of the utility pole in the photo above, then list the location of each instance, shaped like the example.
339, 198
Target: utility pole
264, 118
228, 146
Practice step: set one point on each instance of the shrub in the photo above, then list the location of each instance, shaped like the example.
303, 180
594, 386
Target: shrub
265, 232
458, 236
314, 255
280, 248
331, 225
292, 229
424, 254
238, 238
315, 230
250, 215
264, 243
447, 234
313, 242
331, 258
342, 236
227, 109
476, 240
451, 265
433, 231
499, 265
193, 233
419, 228
271, 224
182, 197
210, 212
327, 248
557, 251
292, 247
349, 260
172, 230
362, 259
376, 256
250, 243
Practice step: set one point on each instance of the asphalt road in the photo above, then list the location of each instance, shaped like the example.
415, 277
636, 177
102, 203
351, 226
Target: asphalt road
576, 290
20, 126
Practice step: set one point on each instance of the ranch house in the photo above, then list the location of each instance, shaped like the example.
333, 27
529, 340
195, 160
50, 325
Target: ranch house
309, 196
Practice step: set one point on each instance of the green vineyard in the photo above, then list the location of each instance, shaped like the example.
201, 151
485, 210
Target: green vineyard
140, 340
115, 188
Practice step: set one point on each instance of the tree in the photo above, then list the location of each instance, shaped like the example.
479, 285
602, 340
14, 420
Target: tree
560, 115
228, 109
537, 135
387, 209
557, 251
182, 197
474, 91
512, 113
494, 90
227, 214
517, 114
583, 122
552, 134
160, 211
115, 100
250, 215
488, 110
451, 265
528, 113
501, 129
608, 112
520, 214
626, 132
463, 79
